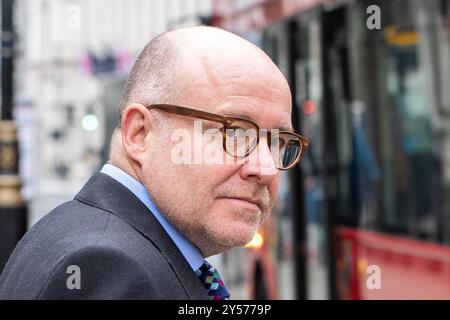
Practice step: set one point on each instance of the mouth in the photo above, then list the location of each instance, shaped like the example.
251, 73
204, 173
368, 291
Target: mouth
250, 203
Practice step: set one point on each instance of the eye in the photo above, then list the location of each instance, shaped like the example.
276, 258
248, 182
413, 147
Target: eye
234, 131
277, 141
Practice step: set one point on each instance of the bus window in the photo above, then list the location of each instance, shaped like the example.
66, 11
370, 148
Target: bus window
309, 102
395, 139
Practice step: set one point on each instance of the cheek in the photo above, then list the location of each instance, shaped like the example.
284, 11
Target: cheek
208, 177
198, 183
273, 189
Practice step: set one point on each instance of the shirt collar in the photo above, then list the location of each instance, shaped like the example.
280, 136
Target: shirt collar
190, 252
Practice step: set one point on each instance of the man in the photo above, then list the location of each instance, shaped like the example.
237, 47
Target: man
142, 227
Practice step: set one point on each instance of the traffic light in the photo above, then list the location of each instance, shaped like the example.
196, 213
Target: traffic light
89, 122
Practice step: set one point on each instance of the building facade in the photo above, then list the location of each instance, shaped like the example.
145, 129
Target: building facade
72, 60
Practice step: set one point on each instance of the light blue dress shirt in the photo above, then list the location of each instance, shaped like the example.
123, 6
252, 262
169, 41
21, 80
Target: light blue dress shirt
188, 249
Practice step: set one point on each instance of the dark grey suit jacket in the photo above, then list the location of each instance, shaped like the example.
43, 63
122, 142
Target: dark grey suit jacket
120, 248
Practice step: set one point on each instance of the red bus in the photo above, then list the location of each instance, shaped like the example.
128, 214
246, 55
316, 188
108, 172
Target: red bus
366, 215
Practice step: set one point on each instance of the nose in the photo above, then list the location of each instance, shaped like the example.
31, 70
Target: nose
260, 164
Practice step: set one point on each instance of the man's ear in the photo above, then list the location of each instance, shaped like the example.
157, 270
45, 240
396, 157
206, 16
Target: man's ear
136, 124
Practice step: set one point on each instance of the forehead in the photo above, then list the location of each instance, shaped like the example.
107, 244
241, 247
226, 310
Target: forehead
240, 81
256, 90
257, 98
267, 115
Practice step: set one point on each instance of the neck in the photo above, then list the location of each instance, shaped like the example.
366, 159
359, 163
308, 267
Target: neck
124, 164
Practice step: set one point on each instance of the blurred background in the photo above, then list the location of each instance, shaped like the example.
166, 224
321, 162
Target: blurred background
366, 215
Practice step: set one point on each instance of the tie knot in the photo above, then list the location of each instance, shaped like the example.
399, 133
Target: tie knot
210, 278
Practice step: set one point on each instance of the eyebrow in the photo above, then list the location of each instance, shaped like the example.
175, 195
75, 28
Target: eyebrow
241, 115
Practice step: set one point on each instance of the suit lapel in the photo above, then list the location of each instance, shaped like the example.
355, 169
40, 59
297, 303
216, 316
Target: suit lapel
106, 193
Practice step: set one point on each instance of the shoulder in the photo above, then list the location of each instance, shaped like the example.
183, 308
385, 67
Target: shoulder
99, 272
112, 258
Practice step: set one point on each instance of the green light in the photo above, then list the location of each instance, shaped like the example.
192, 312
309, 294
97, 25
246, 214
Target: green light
89, 122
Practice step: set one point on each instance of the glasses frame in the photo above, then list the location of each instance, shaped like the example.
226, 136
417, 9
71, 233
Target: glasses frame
226, 121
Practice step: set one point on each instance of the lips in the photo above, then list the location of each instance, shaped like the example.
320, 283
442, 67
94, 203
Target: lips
253, 201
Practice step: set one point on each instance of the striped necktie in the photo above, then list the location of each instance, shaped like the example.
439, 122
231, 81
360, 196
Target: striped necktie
210, 278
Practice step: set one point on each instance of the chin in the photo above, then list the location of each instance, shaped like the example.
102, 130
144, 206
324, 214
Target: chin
236, 235
223, 239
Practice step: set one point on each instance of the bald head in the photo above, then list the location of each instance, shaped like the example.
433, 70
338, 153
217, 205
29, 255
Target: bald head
212, 70
175, 65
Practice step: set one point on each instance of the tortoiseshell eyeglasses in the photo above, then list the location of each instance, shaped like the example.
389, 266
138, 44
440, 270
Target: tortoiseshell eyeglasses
237, 142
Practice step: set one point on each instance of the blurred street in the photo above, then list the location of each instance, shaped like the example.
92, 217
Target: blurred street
365, 215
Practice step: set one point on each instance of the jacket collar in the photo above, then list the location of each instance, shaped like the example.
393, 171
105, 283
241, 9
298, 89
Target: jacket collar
104, 192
